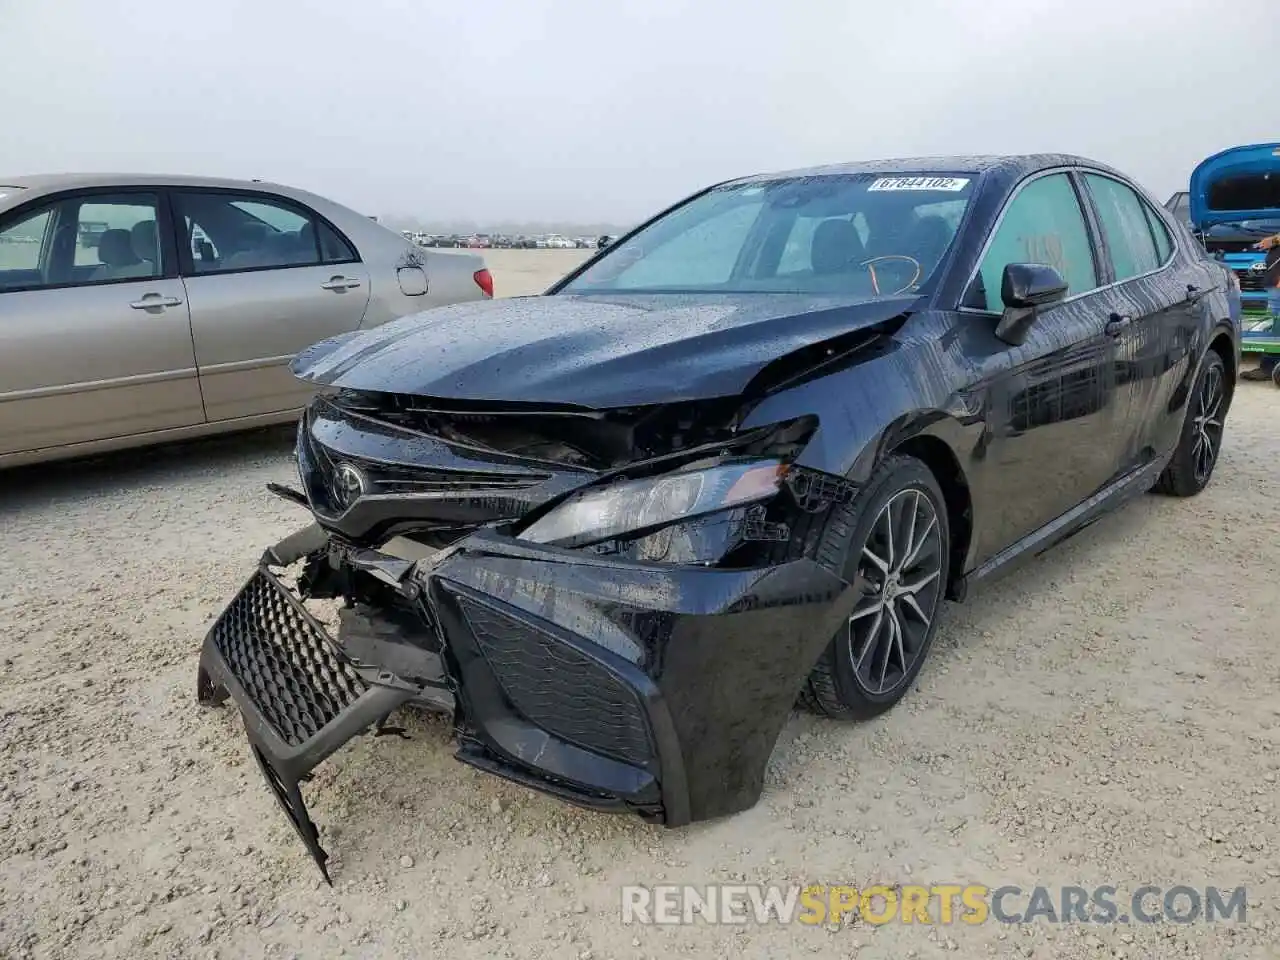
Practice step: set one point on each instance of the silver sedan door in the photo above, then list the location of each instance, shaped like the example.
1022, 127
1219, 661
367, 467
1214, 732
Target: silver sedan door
266, 277
95, 338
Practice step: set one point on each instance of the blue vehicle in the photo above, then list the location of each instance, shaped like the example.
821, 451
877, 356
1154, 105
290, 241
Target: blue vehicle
1233, 202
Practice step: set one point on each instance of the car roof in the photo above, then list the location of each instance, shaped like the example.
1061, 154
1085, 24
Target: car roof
41, 183
1012, 166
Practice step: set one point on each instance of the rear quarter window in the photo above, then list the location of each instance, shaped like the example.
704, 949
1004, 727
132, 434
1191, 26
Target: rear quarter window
1164, 242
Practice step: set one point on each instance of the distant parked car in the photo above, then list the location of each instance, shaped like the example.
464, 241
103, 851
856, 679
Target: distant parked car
1180, 206
183, 316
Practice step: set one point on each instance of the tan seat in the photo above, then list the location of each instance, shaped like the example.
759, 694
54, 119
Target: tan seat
119, 261
146, 243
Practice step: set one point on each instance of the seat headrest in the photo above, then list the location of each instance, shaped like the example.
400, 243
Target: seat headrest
115, 249
835, 247
932, 230
146, 241
928, 240
252, 235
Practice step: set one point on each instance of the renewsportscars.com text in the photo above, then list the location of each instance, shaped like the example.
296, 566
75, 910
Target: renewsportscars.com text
820, 904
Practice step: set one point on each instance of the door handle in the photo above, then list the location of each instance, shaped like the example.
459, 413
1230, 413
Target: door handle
153, 301
1117, 324
338, 284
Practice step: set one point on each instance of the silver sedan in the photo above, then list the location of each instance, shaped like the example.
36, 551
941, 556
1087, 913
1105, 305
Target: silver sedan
138, 309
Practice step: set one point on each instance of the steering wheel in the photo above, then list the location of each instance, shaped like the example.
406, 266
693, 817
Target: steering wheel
911, 262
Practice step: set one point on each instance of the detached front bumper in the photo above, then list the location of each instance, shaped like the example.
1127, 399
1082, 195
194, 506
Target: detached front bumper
300, 697
610, 684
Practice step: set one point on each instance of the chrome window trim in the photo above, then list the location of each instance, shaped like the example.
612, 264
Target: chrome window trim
256, 195
1137, 192
986, 246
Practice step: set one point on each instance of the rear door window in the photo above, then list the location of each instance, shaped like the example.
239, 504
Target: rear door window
1125, 224
230, 233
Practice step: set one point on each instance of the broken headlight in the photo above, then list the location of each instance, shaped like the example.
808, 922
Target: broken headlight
632, 507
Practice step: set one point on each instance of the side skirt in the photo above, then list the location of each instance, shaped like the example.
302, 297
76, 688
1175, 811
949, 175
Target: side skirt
1062, 528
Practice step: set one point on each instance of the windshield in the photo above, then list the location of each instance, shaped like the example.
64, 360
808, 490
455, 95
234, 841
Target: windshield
864, 234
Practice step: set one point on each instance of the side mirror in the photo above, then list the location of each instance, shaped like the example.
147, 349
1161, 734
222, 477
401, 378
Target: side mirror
1024, 288
603, 242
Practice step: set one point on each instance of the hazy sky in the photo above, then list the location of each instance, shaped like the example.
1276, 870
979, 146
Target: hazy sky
611, 109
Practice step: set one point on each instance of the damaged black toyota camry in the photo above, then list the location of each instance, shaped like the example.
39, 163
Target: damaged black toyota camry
736, 460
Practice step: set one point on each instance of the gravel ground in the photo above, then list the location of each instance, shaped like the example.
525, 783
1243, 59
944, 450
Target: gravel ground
1107, 715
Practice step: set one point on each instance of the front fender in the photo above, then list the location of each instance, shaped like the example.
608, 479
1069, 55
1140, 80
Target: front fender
876, 403
880, 402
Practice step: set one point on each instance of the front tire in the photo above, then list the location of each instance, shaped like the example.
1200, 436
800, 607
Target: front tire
892, 543
1191, 467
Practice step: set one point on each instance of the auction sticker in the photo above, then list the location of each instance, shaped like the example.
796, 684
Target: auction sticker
950, 184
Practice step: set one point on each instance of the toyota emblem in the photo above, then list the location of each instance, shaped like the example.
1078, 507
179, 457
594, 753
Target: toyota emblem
348, 484
1258, 267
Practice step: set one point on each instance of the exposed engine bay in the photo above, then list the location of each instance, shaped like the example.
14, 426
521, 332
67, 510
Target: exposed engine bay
457, 536
607, 572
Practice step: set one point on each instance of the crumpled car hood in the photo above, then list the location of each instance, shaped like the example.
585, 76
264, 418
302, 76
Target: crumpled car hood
593, 351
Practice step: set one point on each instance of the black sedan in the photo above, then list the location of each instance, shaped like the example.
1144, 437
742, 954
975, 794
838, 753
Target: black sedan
736, 460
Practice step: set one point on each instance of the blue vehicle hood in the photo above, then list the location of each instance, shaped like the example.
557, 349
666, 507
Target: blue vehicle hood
1242, 183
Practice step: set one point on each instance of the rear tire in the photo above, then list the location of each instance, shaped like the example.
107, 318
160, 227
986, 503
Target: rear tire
1191, 467
893, 543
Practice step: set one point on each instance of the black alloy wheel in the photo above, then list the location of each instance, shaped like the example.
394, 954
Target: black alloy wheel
1200, 443
1208, 423
893, 545
901, 565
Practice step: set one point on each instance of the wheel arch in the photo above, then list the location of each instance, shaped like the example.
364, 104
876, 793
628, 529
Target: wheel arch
1223, 344
934, 437
945, 466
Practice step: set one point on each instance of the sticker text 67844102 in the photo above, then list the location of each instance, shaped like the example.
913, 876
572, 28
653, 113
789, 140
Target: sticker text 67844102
948, 184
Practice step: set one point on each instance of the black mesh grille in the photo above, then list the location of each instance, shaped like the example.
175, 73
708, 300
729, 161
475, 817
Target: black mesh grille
283, 661
560, 689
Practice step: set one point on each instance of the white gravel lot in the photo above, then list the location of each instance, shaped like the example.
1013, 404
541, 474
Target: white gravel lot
1107, 715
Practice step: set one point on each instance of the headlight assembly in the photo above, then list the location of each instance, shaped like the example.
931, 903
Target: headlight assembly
635, 506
